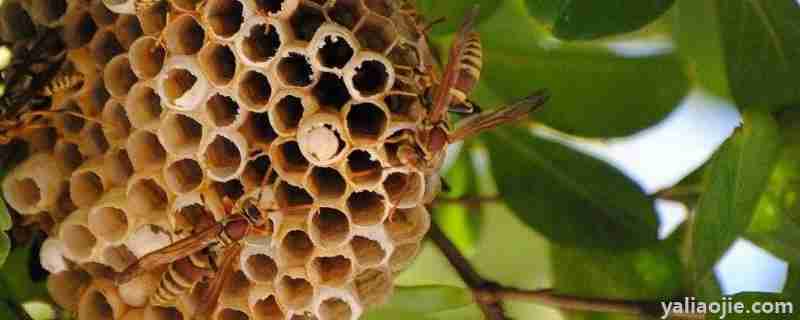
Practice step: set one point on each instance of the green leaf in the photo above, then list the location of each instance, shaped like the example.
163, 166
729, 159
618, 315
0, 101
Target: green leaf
776, 223
15, 277
644, 273
696, 32
420, 302
569, 197
738, 173
760, 42
635, 92
6, 311
748, 299
5, 247
454, 12
792, 288
585, 20
460, 222
5, 217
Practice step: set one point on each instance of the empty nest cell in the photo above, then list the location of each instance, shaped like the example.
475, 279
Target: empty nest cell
376, 33
85, 187
305, 20
183, 85
403, 106
258, 131
154, 18
334, 271
335, 309
261, 268
255, 172
366, 208
78, 241
326, 184
363, 168
95, 142
407, 225
295, 248
347, 12
105, 46
371, 77
24, 193
225, 155
330, 227
109, 223
225, 17
63, 285
294, 70
255, 90
153, 312
94, 305
367, 252
184, 35
287, 113
268, 309
118, 257
295, 293
262, 42
147, 196
117, 125
366, 122
334, 52
145, 151
143, 105
181, 133
118, 76
68, 154
404, 189
223, 110
331, 91
184, 175
269, 7
219, 63
293, 200
289, 160
146, 57
92, 97
118, 167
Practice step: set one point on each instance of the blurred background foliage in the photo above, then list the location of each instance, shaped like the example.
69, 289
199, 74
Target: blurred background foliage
610, 191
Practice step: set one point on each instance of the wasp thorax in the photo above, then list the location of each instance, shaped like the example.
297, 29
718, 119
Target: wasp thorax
270, 120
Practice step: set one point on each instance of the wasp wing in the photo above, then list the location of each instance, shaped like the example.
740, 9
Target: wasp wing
493, 118
442, 98
223, 276
174, 252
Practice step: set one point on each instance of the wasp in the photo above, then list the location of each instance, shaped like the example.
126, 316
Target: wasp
425, 148
189, 261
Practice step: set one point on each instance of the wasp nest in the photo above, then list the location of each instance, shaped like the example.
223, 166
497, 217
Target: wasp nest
185, 97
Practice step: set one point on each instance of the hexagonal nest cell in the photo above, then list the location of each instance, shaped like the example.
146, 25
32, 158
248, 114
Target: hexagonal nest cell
190, 108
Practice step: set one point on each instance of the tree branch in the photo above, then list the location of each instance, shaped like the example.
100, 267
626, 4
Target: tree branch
493, 310
490, 295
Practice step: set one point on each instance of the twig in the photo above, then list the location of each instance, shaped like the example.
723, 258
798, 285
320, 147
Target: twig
491, 308
490, 295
